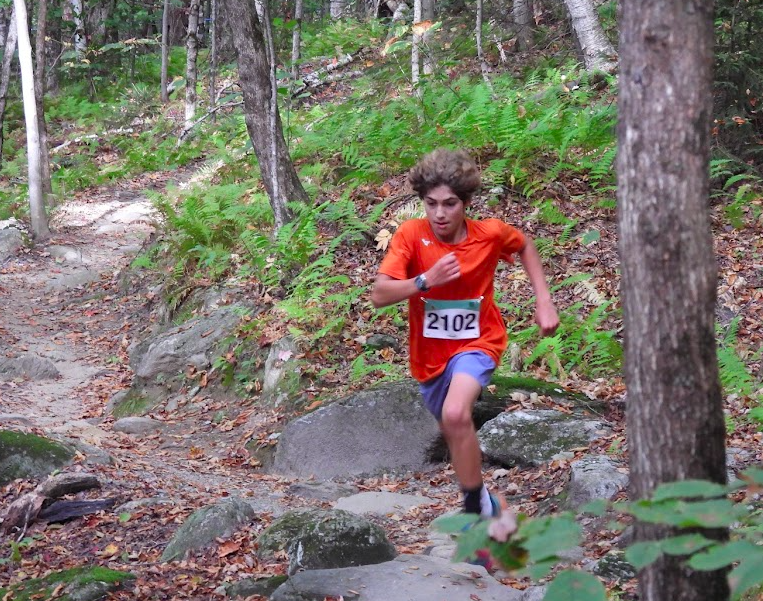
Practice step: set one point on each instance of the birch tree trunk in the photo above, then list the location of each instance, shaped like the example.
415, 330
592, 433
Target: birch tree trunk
427, 14
416, 50
598, 54
279, 177
523, 20
296, 35
80, 38
192, 51
165, 50
213, 56
40, 229
675, 420
39, 94
480, 55
337, 8
5, 74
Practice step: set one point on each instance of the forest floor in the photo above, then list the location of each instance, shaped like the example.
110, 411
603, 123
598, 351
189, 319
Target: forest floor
64, 300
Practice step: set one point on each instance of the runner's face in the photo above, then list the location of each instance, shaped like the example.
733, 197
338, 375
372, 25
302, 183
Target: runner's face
446, 213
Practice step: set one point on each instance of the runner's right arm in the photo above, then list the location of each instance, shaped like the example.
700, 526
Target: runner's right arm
388, 291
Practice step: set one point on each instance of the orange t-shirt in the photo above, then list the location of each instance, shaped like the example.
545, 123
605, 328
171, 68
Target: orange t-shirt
414, 249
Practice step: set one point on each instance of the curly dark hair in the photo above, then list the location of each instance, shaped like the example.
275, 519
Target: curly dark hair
453, 168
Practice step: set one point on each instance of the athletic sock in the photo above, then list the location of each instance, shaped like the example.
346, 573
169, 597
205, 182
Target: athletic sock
473, 499
486, 504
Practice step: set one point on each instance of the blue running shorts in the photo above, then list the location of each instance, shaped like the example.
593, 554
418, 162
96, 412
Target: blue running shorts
475, 363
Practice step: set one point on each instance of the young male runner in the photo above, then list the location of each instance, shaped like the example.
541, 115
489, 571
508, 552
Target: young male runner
444, 266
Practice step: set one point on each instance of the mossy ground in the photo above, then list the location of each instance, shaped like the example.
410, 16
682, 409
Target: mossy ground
42, 589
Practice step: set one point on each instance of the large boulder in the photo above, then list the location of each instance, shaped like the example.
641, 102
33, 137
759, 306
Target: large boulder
317, 539
87, 583
530, 438
28, 366
407, 578
30, 456
282, 374
194, 343
498, 396
206, 524
11, 240
385, 428
594, 477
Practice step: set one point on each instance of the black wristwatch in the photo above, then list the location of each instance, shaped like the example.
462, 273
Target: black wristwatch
421, 282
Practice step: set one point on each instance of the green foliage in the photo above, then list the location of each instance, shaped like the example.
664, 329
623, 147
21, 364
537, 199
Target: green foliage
536, 547
585, 344
345, 36
734, 373
537, 131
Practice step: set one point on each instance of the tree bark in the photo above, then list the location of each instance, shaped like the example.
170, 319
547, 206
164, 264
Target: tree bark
523, 20
598, 54
279, 177
80, 38
165, 50
299, 10
427, 14
416, 50
36, 195
674, 410
5, 75
337, 8
192, 51
39, 94
212, 55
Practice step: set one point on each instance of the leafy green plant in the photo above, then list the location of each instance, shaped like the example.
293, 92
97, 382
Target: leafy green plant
734, 374
535, 549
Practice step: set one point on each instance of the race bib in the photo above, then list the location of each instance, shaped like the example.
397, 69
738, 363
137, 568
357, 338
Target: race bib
452, 319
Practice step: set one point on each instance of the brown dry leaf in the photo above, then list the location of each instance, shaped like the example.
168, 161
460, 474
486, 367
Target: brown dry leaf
382, 239
313, 405
196, 453
389, 43
227, 548
110, 550
422, 27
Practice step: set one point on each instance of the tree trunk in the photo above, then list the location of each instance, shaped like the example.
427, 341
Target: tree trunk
39, 94
416, 50
279, 177
523, 20
427, 14
674, 409
36, 195
480, 54
192, 50
598, 54
80, 38
53, 50
299, 10
165, 50
337, 8
5, 75
213, 56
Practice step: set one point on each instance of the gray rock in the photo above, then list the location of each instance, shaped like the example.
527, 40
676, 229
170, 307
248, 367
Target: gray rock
282, 373
534, 437
30, 456
381, 503
594, 477
65, 253
138, 504
10, 241
81, 277
86, 583
382, 341
249, 587
317, 539
614, 567
407, 578
322, 491
534, 593
191, 344
385, 428
137, 425
89, 591
28, 366
206, 524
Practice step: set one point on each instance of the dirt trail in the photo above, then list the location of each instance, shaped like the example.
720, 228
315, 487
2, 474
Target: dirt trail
61, 302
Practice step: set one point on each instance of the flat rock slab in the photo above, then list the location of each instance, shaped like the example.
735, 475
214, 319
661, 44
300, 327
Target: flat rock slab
406, 578
28, 366
321, 490
137, 425
381, 503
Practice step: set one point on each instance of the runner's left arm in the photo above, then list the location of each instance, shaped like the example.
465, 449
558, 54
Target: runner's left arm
545, 312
